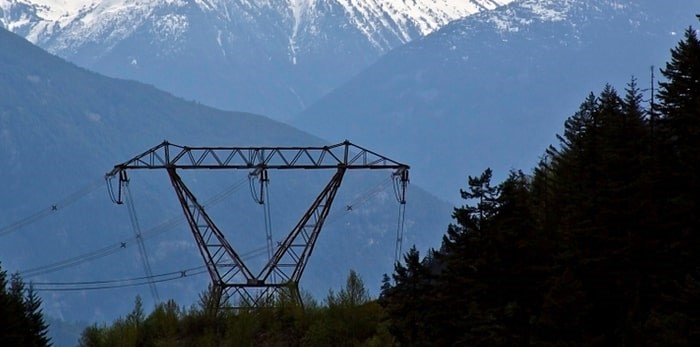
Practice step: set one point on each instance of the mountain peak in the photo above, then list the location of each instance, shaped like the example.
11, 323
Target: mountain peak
80, 21
262, 56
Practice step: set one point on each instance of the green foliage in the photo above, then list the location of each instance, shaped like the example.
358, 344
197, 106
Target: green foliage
348, 318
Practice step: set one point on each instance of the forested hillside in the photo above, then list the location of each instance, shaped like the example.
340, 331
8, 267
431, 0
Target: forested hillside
597, 246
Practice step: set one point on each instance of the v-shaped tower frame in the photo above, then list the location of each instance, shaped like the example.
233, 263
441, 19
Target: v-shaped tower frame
233, 283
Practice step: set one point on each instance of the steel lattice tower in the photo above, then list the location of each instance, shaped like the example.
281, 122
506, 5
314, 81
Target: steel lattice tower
232, 281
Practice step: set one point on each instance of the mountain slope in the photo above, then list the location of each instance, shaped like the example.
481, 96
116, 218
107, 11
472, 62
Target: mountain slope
269, 57
62, 128
497, 86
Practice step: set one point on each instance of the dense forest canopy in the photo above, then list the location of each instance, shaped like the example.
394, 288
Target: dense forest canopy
599, 245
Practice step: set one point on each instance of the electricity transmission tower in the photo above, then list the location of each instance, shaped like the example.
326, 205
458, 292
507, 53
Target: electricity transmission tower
233, 283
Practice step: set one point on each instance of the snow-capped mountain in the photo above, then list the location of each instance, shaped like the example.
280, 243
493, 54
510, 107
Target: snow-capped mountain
268, 56
497, 86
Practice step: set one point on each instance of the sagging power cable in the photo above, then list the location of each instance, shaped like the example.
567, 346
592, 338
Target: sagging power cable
52, 208
148, 281
131, 282
358, 200
139, 239
121, 245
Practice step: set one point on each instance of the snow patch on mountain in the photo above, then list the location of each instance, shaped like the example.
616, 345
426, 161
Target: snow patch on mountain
551, 11
59, 11
172, 26
301, 10
69, 24
425, 16
522, 13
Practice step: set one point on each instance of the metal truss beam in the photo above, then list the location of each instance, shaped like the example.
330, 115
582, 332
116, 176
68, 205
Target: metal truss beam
233, 282
291, 257
223, 263
345, 154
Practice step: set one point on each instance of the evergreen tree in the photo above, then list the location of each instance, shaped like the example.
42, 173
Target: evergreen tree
6, 317
673, 270
408, 302
21, 320
680, 105
37, 329
679, 94
466, 266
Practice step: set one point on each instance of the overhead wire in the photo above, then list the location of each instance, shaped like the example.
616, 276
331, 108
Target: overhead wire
398, 192
263, 199
399, 232
268, 219
366, 195
135, 225
120, 245
73, 261
179, 272
131, 282
115, 286
167, 225
358, 200
52, 208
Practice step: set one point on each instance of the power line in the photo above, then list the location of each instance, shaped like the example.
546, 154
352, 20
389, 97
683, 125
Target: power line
118, 246
149, 279
139, 239
131, 282
165, 226
181, 273
74, 261
358, 200
44, 212
115, 286
399, 232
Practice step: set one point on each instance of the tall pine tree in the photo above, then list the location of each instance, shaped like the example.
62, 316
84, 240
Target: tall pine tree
21, 320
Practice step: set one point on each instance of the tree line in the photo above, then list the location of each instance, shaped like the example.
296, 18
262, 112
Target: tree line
347, 317
600, 245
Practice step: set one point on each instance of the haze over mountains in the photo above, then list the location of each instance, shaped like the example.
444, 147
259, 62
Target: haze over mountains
488, 90
492, 89
62, 127
484, 79
267, 57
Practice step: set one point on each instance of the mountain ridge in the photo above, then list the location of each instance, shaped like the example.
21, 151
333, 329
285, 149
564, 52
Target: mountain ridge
62, 127
43, 17
499, 77
265, 57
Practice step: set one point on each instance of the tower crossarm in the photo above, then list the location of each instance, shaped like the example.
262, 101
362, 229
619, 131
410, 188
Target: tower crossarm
347, 154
